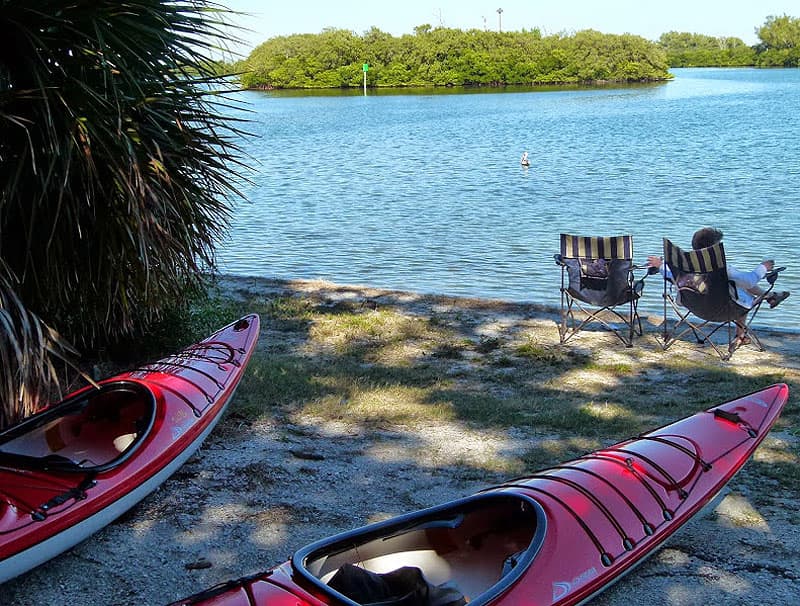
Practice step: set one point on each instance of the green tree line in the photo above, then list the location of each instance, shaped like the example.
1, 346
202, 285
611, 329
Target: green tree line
453, 57
779, 46
450, 57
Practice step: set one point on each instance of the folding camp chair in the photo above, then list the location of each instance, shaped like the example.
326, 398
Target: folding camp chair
597, 277
697, 289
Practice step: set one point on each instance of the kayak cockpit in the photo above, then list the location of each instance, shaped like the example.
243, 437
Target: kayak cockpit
91, 432
467, 551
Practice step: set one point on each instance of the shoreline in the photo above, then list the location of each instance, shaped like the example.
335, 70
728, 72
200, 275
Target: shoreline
235, 281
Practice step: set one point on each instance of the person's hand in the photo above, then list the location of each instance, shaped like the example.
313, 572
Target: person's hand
769, 264
654, 261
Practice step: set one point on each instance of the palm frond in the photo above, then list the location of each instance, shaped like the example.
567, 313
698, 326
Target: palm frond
118, 159
29, 353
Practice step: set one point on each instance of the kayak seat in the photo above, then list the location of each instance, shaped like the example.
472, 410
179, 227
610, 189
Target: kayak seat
471, 549
97, 433
598, 286
405, 586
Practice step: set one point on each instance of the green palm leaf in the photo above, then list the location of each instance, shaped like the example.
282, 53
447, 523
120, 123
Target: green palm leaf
118, 166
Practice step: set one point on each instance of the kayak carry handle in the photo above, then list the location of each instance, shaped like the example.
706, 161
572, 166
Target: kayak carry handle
733, 417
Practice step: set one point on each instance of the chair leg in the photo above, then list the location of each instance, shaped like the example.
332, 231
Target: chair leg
631, 315
702, 332
566, 314
569, 326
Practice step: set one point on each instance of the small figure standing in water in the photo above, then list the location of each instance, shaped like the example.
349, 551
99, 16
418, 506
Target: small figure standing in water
524, 160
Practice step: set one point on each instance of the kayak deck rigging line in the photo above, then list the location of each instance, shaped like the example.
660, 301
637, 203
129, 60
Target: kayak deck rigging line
646, 526
635, 473
204, 352
627, 542
628, 462
670, 484
76, 494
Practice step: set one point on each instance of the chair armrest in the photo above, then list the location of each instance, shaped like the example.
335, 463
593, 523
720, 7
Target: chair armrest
772, 275
651, 270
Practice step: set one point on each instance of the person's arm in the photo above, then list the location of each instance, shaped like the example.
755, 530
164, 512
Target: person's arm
658, 262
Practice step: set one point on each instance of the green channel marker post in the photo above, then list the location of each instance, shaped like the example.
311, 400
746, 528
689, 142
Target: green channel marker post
366, 67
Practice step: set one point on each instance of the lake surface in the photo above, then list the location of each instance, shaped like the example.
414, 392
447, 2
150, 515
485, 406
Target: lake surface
424, 192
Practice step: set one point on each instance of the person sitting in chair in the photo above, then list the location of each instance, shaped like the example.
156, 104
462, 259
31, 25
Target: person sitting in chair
746, 282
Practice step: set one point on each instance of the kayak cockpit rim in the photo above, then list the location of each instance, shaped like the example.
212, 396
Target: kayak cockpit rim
481, 545
51, 440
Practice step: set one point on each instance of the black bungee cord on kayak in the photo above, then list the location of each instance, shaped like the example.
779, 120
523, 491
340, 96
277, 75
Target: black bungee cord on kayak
627, 542
191, 353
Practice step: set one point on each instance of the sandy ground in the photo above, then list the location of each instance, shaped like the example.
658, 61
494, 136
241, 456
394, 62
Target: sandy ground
255, 492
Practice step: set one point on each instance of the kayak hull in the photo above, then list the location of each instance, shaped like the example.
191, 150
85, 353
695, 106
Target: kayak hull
74, 468
555, 537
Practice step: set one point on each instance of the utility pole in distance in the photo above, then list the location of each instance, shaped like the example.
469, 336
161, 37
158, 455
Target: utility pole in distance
499, 19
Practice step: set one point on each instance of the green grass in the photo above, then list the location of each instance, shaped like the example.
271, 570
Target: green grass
549, 353
384, 366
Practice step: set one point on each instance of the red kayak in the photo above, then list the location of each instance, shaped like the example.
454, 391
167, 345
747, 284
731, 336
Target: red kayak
71, 469
556, 537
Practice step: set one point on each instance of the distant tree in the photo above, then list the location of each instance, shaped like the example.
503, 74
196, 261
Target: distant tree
780, 42
780, 32
684, 49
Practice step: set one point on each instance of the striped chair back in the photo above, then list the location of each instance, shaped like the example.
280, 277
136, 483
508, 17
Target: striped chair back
704, 260
701, 277
586, 247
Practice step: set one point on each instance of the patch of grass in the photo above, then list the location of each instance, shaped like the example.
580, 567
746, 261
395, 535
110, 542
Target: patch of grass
288, 313
449, 350
549, 353
271, 383
593, 419
383, 324
779, 463
366, 333
489, 469
388, 366
617, 369
349, 400
484, 409
488, 344
504, 362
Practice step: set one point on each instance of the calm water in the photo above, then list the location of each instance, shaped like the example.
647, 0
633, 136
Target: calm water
425, 192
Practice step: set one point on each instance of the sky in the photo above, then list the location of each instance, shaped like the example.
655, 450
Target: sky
738, 18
